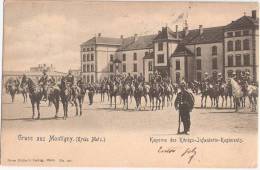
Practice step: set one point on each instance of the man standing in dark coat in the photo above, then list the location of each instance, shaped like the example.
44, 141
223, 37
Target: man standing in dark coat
184, 102
91, 92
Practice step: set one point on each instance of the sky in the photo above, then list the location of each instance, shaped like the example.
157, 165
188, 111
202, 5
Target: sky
50, 32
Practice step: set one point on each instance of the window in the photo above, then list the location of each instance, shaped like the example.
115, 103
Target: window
84, 68
92, 67
92, 79
238, 60
88, 78
214, 63
87, 49
146, 53
84, 49
92, 49
198, 51
111, 68
199, 76
214, 50
87, 68
230, 72
230, 34
92, 57
124, 57
135, 56
178, 65
238, 33
84, 58
160, 46
150, 66
124, 67
87, 57
238, 45
198, 62
230, 45
160, 58
84, 78
111, 57
246, 32
246, 60
230, 61
178, 76
135, 67
246, 44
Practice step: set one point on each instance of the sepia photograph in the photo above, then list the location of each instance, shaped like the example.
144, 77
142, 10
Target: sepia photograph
130, 84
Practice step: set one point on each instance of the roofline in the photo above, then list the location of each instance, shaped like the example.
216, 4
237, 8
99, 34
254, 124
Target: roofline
134, 49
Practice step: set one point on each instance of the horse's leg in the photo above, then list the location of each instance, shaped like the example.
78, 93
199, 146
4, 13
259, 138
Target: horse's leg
76, 105
80, 106
38, 109
205, 105
33, 110
57, 104
115, 101
202, 101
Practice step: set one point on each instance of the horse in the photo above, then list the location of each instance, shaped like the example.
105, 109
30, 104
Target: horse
53, 92
24, 90
237, 93
141, 90
214, 94
252, 93
125, 93
113, 92
12, 90
65, 96
104, 89
204, 93
225, 91
169, 91
78, 97
155, 93
35, 95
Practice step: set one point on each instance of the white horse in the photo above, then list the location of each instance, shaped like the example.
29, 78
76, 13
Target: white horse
252, 93
237, 92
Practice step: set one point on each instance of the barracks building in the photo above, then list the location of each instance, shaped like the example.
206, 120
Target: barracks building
181, 54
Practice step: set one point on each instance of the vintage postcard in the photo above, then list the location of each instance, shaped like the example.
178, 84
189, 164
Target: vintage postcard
130, 84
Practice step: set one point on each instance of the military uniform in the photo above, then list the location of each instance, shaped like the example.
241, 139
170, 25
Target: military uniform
43, 82
23, 81
91, 92
184, 102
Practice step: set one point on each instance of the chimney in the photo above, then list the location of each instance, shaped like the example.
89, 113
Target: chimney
99, 34
254, 14
186, 28
135, 37
201, 29
121, 36
177, 34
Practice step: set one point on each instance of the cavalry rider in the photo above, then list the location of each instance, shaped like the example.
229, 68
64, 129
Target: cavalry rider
206, 78
69, 79
23, 81
248, 78
140, 79
91, 92
43, 83
81, 84
129, 79
220, 79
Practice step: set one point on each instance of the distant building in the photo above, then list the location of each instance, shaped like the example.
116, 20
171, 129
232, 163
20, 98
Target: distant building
180, 54
35, 73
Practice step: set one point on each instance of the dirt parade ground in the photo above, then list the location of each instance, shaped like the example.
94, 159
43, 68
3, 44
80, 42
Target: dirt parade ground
103, 118
103, 136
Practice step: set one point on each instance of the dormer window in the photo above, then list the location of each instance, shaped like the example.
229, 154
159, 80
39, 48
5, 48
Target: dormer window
230, 34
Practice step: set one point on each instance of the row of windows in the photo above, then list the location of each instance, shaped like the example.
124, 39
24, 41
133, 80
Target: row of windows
238, 33
88, 49
89, 79
214, 64
88, 57
214, 51
111, 69
238, 72
134, 56
238, 59
230, 45
88, 68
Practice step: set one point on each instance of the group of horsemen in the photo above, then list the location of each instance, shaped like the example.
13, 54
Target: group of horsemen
116, 79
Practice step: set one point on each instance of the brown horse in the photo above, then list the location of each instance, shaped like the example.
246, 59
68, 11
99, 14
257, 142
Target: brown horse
139, 92
65, 96
155, 93
35, 95
113, 92
12, 90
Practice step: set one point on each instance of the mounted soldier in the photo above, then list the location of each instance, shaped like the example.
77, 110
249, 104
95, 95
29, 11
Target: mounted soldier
129, 79
220, 79
43, 83
23, 81
69, 80
140, 79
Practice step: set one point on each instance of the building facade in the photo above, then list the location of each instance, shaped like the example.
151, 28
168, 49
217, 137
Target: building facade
180, 54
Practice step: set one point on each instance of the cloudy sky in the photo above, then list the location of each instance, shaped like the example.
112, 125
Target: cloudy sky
37, 32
